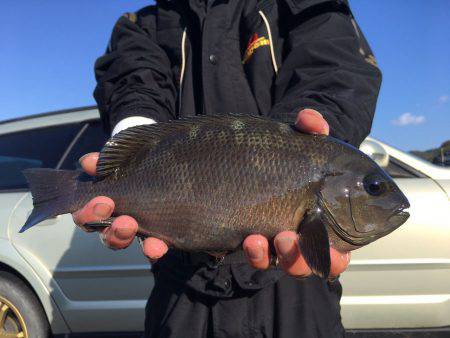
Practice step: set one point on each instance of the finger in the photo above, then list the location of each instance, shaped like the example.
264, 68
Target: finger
339, 262
121, 232
154, 248
89, 163
99, 208
312, 122
289, 254
256, 248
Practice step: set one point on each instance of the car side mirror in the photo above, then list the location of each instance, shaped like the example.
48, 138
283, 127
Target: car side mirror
376, 152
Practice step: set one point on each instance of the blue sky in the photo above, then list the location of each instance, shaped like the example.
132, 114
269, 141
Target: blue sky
49, 48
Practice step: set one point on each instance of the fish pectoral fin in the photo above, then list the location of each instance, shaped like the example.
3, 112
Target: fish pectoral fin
315, 245
99, 225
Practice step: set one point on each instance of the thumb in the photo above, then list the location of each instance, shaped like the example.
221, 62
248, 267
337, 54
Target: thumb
89, 163
310, 121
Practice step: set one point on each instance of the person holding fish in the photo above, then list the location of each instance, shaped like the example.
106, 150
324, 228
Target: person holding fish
306, 63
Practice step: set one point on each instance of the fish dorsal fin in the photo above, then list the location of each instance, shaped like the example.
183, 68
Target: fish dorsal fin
123, 147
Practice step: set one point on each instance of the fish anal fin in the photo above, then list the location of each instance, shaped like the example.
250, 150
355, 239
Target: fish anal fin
314, 244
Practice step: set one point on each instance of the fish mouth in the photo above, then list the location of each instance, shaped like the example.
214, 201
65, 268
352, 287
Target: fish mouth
399, 216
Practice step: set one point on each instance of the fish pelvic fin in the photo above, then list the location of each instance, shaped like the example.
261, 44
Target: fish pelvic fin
52, 192
315, 245
99, 225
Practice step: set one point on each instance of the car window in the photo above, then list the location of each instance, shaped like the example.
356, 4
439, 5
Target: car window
92, 139
36, 148
398, 169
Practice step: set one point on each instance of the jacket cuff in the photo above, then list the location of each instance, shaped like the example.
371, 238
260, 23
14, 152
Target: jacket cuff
131, 121
111, 117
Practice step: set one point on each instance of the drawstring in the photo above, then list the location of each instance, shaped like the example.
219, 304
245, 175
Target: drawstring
183, 56
272, 52
183, 66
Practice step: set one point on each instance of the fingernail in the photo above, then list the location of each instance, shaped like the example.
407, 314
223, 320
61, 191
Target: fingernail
312, 112
102, 210
255, 253
286, 249
123, 233
82, 158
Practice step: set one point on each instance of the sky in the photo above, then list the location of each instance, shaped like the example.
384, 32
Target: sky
49, 48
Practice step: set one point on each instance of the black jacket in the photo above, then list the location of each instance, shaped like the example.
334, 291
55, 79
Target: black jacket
268, 57
263, 57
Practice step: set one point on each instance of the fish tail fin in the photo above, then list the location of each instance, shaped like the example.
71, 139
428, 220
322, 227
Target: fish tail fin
52, 192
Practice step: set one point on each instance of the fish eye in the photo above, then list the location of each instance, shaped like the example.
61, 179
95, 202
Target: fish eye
375, 185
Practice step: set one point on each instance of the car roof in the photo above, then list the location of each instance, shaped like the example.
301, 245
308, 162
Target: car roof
49, 119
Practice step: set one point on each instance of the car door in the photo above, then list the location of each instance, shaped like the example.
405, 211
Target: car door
403, 279
96, 289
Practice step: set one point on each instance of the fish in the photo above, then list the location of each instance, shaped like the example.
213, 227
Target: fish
204, 183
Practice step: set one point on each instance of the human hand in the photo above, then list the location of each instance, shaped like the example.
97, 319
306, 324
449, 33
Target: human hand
124, 228
286, 245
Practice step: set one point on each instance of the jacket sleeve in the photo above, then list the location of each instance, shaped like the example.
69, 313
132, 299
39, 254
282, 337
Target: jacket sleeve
134, 77
327, 66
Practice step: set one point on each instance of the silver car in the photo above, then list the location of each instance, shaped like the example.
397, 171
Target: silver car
56, 277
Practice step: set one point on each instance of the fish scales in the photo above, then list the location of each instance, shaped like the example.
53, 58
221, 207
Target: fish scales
216, 190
